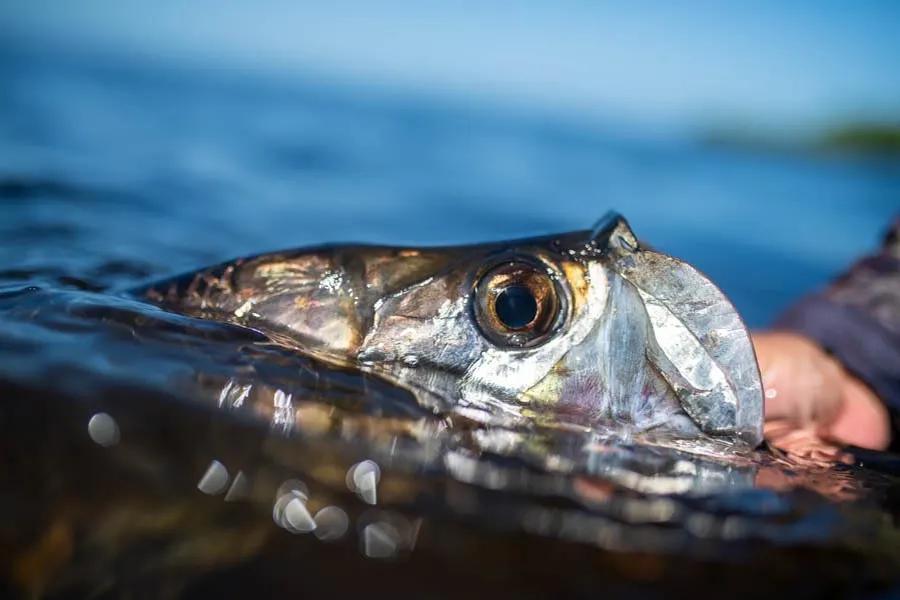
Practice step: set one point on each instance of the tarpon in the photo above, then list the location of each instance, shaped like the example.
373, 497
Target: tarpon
589, 328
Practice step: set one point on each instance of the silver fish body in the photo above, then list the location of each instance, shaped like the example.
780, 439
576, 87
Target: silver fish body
588, 328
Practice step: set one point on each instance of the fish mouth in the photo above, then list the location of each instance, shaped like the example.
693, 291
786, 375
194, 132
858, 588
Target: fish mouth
696, 341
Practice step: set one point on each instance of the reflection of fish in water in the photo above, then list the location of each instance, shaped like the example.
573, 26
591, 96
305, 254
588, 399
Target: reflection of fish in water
588, 327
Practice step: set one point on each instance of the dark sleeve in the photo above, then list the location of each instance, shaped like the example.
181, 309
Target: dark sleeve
857, 319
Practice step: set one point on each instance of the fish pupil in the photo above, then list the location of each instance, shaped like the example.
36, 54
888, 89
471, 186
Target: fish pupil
516, 306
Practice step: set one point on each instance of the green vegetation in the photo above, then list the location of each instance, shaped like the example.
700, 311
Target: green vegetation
864, 139
876, 140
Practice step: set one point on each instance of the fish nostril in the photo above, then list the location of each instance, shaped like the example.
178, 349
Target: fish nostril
516, 306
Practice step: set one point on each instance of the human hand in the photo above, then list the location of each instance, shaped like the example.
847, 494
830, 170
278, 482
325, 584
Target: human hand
809, 391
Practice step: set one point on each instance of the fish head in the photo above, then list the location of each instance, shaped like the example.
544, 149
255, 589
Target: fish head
588, 326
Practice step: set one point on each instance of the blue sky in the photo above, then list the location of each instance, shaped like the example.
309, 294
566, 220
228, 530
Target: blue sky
765, 64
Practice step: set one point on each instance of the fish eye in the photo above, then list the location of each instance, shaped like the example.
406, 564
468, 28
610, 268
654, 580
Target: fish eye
518, 304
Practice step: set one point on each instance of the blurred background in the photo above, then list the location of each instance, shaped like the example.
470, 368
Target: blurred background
761, 143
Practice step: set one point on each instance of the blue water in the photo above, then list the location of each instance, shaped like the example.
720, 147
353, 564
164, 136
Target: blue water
114, 170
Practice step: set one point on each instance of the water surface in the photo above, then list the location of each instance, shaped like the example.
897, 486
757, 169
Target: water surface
154, 453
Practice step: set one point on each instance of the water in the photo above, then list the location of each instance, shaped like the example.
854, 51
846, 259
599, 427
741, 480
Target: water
151, 453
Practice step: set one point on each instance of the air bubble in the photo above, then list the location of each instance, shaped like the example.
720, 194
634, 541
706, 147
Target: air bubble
214, 480
363, 478
104, 430
331, 523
